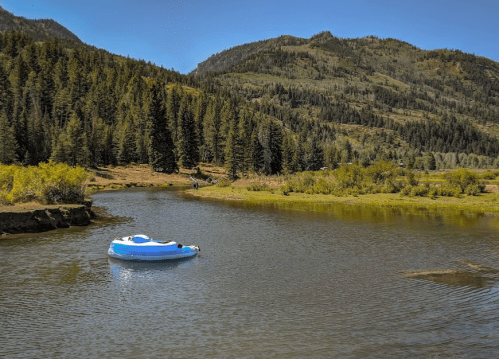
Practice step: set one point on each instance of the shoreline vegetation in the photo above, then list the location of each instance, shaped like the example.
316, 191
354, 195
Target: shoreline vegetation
51, 186
381, 185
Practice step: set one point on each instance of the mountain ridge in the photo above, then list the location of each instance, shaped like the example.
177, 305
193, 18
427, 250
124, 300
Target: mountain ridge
38, 29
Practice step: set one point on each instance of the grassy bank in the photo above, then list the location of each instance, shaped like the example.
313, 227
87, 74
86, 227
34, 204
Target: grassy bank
237, 191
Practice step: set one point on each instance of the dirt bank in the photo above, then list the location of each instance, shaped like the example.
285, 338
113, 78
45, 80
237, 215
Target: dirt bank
118, 177
34, 218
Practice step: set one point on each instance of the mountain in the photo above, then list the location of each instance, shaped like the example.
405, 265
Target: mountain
275, 106
440, 101
39, 30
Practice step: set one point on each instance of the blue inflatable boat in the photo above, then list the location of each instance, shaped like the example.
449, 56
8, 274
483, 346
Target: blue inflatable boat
143, 248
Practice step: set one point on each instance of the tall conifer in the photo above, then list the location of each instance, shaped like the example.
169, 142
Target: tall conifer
8, 144
187, 135
161, 150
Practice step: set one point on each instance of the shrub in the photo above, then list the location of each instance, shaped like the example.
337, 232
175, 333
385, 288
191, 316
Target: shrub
406, 191
420, 191
472, 190
49, 183
490, 175
257, 186
348, 176
462, 178
224, 182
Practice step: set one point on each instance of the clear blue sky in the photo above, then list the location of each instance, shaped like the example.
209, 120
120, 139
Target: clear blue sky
180, 34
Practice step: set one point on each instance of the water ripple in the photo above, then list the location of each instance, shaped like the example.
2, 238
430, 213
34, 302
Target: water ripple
267, 284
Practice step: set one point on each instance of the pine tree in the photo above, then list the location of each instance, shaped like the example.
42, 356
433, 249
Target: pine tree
59, 145
5, 92
270, 137
257, 151
187, 135
232, 153
161, 150
76, 143
212, 133
126, 142
315, 155
175, 94
288, 153
8, 144
244, 140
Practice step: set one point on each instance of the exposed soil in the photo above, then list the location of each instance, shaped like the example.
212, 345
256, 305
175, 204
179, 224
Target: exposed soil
144, 176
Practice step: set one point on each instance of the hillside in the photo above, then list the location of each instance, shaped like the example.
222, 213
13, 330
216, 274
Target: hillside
39, 30
282, 105
439, 101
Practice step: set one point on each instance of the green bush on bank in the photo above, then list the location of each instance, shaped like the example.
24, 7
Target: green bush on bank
258, 186
383, 177
49, 183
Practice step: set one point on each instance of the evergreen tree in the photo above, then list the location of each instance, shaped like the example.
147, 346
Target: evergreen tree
76, 143
8, 144
299, 155
257, 151
161, 151
212, 133
187, 135
175, 94
270, 137
244, 140
315, 155
232, 153
5, 93
126, 142
59, 145
288, 153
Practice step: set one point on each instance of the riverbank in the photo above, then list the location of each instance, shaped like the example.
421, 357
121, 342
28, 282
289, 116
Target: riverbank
237, 191
35, 218
120, 177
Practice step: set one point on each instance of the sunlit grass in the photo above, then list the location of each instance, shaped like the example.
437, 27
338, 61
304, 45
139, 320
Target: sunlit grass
484, 203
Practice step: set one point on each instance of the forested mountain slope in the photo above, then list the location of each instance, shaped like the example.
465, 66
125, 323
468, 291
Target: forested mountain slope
39, 30
280, 105
441, 101
81, 105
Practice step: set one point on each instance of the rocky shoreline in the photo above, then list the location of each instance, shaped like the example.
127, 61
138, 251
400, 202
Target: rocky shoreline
46, 219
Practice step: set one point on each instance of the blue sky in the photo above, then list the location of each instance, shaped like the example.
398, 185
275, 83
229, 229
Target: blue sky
180, 34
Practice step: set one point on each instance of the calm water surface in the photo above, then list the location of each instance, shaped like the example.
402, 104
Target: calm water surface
268, 283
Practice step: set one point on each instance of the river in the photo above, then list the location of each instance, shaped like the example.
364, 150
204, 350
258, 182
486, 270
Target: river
268, 283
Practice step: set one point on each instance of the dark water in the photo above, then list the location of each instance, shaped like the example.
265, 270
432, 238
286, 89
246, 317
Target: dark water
267, 284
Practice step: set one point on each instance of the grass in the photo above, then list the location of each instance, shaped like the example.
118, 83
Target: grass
484, 203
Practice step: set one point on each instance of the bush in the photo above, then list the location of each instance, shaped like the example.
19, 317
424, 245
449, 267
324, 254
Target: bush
490, 175
49, 183
462, 178
224, 182
420, 191
406, 191
472, 190
257, 186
